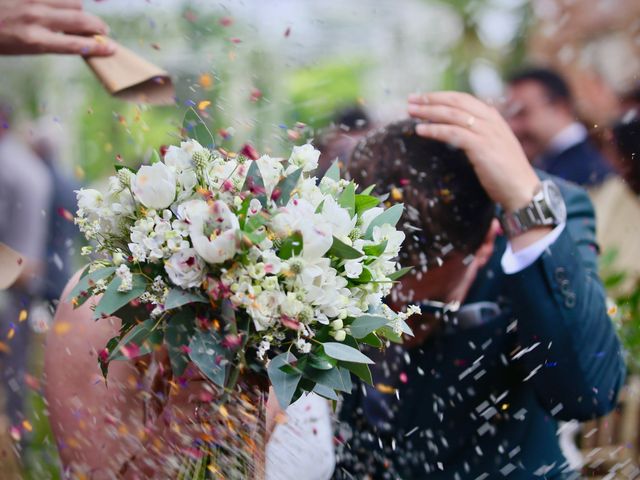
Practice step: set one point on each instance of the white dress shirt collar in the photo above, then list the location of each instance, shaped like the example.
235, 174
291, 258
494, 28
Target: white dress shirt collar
568, 137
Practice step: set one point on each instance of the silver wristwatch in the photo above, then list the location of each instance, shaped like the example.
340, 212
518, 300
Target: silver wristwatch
547, 208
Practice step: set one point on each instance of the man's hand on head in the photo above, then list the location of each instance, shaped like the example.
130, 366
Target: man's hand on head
51, 26
470, 124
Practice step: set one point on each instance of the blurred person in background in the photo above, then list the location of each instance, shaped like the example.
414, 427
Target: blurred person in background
50, 26
617, 200
25, 196
337, 143
514, 334
541, 113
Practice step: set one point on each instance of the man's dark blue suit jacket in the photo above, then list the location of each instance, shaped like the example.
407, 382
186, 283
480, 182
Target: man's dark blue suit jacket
485, 402
581, 164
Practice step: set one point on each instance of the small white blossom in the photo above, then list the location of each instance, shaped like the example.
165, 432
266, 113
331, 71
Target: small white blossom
126, 278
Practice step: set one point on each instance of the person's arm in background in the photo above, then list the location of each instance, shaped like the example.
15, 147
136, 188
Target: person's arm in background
577, 367
50, 26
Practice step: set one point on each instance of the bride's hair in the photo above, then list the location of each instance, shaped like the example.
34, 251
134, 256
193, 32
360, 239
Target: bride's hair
446, 208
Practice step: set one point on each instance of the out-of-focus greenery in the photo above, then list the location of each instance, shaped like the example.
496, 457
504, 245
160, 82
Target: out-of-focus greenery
624, 292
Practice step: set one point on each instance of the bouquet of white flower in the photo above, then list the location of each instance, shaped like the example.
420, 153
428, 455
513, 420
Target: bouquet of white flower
243, 264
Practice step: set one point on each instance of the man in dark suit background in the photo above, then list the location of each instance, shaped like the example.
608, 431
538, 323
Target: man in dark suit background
478, 392
540, 112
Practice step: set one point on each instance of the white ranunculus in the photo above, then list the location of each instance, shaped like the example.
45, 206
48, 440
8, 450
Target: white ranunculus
264, 309
185, 268
271, 171
155, 186
353, 268
215, 234
89, 199
393, 237
178, 158
305, 157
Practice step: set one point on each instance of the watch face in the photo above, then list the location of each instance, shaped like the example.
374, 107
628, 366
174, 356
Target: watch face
555, 202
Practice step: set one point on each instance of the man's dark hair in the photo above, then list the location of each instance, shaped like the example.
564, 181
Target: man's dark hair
555, 87
446, 208
626, 135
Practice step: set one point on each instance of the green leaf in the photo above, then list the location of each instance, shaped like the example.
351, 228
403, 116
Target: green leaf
364, 325
209, 356
343, 352
290, 246
375, 250
177, 298
155, 157
284, 384
368, 190
342, 250
390, 216
254, 237
360, 370
195, 128
137, 335
326, 392
334, 171
400, 273
365, 276
347, 199
112, 300
372, 340
177, 335
286, 187
255, 184
255, 221
87, 280
321, 361
388, 333
365, 202
329, 378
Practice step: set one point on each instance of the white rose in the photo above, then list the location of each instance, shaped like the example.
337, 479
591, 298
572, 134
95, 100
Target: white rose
215, 235
305, 157
185, 268
178, 158
353, 268
155, 185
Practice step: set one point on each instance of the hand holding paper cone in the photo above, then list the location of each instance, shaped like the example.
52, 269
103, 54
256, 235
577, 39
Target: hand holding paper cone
129, 77
11, 265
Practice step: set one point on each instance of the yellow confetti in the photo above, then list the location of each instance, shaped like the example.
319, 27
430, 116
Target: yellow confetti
79, 172
613, 309
203, 104
23, 316
61, 328
223, 411
26, 425
100, 39
504, 406
11, 333
381, 387
396, 194
4, 348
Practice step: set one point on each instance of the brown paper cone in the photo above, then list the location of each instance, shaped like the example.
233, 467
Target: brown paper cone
129, 77
11, 265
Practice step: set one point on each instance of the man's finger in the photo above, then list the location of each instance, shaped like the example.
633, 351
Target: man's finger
459, 100
71, 21
50, 42
443, 114
71, 4
453, 135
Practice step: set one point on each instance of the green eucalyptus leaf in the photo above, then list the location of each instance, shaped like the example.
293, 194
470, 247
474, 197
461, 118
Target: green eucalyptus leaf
324, 391
286, 186
375, 250
365, 202
345, 353
321, 361
390, 216
255, 184
112, 300
400, 273
360, 370
178, 332
87, 280
329, 378
368, 190
342, 250
334, 171
196, 128
366, 324
347, 199
372, 340
209, 355
177, 298
137, 335
284, 384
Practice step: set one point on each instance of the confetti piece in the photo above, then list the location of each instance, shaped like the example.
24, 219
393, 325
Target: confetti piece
23, 315
61, 328
256, 95
206, 81
15, 433
4, 348
381, 387
396, 194
79, 172
226, 21
203, 104
155, 46
66, 214
249, 150
404, 378
293, 135
27, 425
11, 333
287, 32
235, 40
